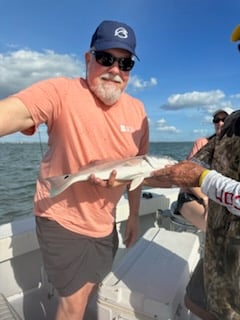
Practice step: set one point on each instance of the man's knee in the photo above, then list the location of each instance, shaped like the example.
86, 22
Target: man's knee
74, 306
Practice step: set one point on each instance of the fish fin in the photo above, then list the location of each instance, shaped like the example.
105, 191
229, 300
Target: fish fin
151, 161
136, 182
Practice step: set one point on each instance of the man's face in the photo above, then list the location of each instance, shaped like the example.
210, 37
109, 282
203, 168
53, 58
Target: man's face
107, 82
218, 121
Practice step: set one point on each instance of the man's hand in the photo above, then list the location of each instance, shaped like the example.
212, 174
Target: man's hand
111, 182
132, 231
182, 174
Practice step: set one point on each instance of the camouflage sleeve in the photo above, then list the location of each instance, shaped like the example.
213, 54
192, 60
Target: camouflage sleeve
222, 190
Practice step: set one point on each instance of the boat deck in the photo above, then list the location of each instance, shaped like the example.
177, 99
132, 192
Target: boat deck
23, 280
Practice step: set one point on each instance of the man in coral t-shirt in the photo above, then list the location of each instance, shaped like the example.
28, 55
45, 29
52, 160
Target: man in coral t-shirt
88, 120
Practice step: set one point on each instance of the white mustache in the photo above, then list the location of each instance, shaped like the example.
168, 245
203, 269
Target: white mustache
109, 76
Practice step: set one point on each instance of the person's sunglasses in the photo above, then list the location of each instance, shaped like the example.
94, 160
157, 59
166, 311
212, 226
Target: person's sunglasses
106, 59
217, 120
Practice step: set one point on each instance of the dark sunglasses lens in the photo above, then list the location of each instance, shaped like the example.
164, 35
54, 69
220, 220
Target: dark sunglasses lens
104, 58
217, 120
125, 64
107, 60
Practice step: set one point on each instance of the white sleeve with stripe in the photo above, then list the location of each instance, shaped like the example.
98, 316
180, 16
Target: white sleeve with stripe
222, 190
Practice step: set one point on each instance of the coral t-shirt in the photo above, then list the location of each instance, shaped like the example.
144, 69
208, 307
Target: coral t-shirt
198, 144
81, 129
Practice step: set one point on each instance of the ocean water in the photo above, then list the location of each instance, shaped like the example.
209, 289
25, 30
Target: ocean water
19, 165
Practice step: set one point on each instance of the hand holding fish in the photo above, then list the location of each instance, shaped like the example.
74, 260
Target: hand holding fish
109, 173
110, 182
182, 174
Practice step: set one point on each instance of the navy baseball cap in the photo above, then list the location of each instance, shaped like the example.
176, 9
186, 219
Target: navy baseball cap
114, 34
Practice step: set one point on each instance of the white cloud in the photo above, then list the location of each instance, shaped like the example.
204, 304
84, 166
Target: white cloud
193, 99
137, 83
21, 68
169, 129
162, 126
161, 122
235, 96
202, 132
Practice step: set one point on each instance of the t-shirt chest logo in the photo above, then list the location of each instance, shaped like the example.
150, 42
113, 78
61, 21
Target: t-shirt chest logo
125, 128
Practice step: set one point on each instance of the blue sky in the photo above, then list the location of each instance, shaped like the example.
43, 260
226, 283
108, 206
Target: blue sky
188, 68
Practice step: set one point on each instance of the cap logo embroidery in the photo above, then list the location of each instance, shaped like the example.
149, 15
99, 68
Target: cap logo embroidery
121, 33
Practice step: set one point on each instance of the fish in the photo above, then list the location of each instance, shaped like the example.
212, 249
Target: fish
134, 169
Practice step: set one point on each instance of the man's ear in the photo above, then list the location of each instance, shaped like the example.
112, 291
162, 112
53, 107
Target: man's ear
87, 57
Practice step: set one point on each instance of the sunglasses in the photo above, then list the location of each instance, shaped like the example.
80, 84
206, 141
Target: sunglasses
106, 59
217, 120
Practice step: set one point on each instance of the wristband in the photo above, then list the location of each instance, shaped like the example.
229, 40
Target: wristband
202, 176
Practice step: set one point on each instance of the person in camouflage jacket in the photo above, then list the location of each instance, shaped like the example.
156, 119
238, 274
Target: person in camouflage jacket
222, 246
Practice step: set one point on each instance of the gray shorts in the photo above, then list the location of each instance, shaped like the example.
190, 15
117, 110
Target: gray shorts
70, 259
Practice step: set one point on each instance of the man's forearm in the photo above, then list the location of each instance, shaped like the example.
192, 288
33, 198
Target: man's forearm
134, 198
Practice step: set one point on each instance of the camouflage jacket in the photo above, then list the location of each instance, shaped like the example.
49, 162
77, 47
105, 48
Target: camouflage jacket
222, 247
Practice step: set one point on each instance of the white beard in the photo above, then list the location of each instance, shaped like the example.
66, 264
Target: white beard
107, 92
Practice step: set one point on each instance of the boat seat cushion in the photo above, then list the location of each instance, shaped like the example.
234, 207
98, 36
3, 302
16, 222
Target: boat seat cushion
7, 312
